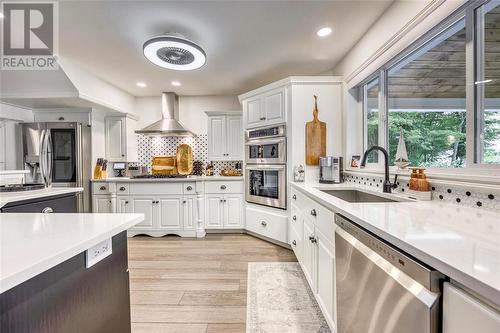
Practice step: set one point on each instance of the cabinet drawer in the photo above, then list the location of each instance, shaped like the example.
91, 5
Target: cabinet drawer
296, 220
297, 198
156, 188
103, 188
122, 188
296, 243
266, 224
224, 187
189, 188
323, 218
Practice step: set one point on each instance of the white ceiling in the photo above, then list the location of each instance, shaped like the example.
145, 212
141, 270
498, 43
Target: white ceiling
248, 43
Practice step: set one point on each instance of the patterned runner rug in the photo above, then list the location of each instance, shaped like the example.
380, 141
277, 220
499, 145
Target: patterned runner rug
279, 300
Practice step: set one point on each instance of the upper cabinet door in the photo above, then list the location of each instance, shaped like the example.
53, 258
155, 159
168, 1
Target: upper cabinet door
170, 213
217, 138
115, 139
234, 140
254, 112
274, 106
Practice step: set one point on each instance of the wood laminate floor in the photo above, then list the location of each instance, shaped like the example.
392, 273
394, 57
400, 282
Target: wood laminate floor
194, 285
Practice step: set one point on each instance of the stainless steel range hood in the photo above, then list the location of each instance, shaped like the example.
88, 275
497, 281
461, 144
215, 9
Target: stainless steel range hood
168, 125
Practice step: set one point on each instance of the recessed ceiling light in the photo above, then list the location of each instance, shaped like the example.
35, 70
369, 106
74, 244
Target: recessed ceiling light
323, 32
141, 84
176, 83
174, 51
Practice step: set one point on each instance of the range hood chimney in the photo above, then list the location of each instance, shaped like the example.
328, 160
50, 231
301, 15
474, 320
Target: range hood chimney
167, 125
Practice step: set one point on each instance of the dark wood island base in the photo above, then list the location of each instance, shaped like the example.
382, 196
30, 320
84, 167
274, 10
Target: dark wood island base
72, 298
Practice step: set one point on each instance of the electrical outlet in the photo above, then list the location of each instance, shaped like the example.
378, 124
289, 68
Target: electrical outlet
98, 252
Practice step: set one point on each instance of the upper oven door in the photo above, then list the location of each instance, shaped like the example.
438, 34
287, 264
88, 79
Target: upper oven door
266, 151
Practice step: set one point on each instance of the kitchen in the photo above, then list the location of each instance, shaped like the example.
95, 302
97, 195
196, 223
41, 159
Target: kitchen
202, 180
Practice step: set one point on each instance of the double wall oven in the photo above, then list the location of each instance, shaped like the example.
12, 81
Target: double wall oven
265, 157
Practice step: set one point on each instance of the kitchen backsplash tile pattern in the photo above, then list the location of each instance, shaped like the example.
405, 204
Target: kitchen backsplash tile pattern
466, 195
166, 146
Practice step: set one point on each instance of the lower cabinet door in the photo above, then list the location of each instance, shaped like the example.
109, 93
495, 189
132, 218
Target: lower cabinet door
189, 213
233, 211
325, 276
296, 243
213, 211
146, 206
170, 213
123, 205
102, 204
309, 256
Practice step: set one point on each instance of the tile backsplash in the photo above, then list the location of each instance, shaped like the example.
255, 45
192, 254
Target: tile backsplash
470, 195
167, 146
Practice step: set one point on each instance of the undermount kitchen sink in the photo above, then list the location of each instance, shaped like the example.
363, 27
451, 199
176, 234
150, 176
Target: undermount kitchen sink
357, 196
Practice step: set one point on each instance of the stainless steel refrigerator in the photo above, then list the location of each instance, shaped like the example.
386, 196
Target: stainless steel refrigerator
59, 155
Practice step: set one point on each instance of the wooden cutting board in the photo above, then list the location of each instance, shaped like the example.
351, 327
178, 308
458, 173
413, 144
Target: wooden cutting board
315, 137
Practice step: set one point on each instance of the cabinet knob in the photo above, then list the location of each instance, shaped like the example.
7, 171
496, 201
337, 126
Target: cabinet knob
314, 240
126, 202
294, 197
122, 188
189, 188
294, 218
294, 243
221, 200
223, 187
102, 188
47, 210
313, 213
311, 237
264, 223
262, 118
123, 155
184, 201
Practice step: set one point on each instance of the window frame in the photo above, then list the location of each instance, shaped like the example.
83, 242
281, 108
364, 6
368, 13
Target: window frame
473, 65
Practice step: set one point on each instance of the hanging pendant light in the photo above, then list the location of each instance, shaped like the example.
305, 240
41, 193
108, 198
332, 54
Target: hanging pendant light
174, 51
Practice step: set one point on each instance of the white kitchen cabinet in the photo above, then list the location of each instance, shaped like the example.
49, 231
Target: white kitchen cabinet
147, 206
325, 265
313, 231
189, 213
214, 215
103, 204
224, 211
121, 140
274, 106
254, 112
265, 109
309, 254
225, 136
233, 218
170, 213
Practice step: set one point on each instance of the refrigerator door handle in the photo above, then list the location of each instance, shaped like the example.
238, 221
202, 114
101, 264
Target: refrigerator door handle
42, 157
48, 148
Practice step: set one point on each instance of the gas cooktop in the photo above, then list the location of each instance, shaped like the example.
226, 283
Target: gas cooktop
160, 176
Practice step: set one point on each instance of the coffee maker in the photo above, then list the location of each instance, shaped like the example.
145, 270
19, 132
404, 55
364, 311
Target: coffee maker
331, 170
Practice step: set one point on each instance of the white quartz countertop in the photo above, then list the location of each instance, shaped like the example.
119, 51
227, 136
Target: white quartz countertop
7, 197
187, 179
33, 243
460, 242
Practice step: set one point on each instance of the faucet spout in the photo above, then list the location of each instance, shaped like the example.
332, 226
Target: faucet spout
387, 183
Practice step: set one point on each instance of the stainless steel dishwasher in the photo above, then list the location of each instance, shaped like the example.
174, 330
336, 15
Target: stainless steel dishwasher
380, 289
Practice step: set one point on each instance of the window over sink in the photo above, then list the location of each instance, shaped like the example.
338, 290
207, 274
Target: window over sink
444, 96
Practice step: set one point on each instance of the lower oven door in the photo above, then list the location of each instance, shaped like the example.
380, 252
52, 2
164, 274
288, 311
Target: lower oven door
266, 185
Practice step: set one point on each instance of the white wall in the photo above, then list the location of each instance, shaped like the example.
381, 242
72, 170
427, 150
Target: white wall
15, 113
191, 110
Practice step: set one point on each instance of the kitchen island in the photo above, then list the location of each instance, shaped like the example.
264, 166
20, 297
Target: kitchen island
64, 272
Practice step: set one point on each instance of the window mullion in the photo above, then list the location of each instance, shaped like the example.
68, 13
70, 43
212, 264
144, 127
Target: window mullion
383, 114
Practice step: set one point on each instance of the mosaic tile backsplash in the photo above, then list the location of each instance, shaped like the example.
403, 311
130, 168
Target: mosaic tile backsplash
470, 195
148, 147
